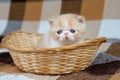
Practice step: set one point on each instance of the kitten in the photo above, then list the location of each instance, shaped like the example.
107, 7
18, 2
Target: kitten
65, 29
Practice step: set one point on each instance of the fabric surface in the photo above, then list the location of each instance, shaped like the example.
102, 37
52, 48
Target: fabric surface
103, 19
27, 15
102, 16
14, 77
107, 69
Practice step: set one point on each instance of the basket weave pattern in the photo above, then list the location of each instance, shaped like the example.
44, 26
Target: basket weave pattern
60, 60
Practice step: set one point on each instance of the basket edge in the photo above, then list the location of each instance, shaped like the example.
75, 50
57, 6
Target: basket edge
94, 40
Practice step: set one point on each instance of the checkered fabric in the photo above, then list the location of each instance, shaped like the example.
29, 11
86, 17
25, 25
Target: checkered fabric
103, 18
102, 15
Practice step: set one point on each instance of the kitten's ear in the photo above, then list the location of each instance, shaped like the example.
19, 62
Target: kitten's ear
51, 21
82, 20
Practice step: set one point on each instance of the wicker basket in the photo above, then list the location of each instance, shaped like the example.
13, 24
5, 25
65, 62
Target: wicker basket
0, 45
60, 60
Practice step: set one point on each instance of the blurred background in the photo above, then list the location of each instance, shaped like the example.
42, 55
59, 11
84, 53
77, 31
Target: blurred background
103, 17
103, 20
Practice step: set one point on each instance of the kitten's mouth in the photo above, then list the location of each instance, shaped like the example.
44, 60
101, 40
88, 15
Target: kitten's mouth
66, 37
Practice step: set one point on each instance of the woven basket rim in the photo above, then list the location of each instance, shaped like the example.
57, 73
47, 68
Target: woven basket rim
27, 50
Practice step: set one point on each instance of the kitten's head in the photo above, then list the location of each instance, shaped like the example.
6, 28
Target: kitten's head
67, 28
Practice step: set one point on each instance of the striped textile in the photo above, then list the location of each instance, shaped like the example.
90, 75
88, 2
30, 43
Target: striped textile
103, 19
102, 16
30, 15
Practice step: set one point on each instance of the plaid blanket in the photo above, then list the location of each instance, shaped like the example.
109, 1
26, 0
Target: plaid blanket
102, 16
103, 19
29, 15
106, 71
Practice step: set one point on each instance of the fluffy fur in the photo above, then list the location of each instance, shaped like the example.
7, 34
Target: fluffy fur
65, 29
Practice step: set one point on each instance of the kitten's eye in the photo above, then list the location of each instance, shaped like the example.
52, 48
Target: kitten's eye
72, 31
59, 31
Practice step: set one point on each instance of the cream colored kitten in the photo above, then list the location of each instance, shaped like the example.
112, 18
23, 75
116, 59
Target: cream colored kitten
65, 29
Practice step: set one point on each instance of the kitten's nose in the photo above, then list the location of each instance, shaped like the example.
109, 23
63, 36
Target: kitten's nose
65, 34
